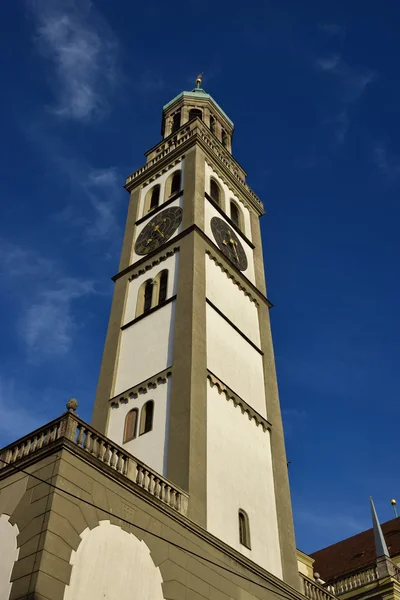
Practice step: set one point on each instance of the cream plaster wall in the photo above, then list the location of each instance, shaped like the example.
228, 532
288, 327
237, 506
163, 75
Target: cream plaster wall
232, 301
151, 447
209, 213
8, 554
145, 348
233, 360
239, 476
171, 264
111, 563
177, 202
227, 196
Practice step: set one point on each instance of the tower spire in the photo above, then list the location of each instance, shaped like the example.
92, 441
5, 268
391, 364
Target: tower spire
380, 544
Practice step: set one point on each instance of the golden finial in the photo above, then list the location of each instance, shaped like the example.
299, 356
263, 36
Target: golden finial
199, 79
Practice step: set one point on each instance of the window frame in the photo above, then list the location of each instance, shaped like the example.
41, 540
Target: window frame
126, 422
244, 529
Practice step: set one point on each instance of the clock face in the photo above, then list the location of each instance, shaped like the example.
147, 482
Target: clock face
229, 243
158, 230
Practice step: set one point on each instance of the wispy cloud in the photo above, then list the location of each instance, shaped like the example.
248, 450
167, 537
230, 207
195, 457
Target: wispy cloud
387, 162
83, 49
16, 418
350, 85
47, 321
98, 190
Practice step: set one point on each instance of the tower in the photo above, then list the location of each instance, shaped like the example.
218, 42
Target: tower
187, 381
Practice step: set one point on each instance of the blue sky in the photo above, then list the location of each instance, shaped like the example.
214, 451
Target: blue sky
313, 90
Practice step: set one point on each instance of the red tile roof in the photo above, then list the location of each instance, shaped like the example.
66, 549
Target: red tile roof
355, 553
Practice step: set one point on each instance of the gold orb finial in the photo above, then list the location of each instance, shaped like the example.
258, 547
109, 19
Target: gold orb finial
393, 502
199, 79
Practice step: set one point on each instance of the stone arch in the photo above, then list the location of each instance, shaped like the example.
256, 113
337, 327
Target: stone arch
111, 563
9, 552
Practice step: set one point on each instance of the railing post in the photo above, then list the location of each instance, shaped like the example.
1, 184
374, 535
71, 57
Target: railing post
131, 469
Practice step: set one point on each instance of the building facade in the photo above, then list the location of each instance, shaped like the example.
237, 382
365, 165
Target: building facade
179, 489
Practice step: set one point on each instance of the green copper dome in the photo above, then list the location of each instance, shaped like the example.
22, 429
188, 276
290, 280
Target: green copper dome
197, 93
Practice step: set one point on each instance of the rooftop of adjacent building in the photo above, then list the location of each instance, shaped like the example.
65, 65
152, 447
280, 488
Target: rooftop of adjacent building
356, 552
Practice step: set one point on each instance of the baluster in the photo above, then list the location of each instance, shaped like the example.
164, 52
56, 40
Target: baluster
29, 445
34, 443
81, 433
15, 454
139, 477
125, 466
100, 449
119, 461
113, 458
41, 440
106, 456
151, 483
93, 449
88, 440
167, 494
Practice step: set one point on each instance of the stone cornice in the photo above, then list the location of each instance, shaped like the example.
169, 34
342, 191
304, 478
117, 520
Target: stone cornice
178, 143
141, 388
231, 276
153, 263
238, 401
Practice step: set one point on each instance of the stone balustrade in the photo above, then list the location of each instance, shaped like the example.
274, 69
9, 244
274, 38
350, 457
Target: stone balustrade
314, 591
193, 128
355, 580
72, 428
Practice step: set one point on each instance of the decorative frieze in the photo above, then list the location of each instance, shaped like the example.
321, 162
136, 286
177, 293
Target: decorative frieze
252, 414
156, 261
141, 388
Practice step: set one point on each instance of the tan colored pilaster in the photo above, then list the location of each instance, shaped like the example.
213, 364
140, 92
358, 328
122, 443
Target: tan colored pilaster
279, 461
187, 427
257, 252
193, 188
111, 347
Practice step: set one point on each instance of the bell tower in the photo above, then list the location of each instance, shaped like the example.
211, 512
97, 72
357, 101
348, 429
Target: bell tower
187, 381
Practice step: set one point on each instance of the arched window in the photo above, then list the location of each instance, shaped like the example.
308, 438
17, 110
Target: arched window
148, 296
130, 425
162, 294
145, 297
175, 182
146, 417
212, 124
244, 529
195, 112
155, 197
215, 191
235, 214
152, 199
176, 121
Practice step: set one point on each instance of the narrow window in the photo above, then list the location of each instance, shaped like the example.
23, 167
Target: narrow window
175, 182
130, 425
146, 417
176, 121
155, 197
195, 112
244, 529
224, 138
148, 295
235, 215
212, 124
214, 191
163, 286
